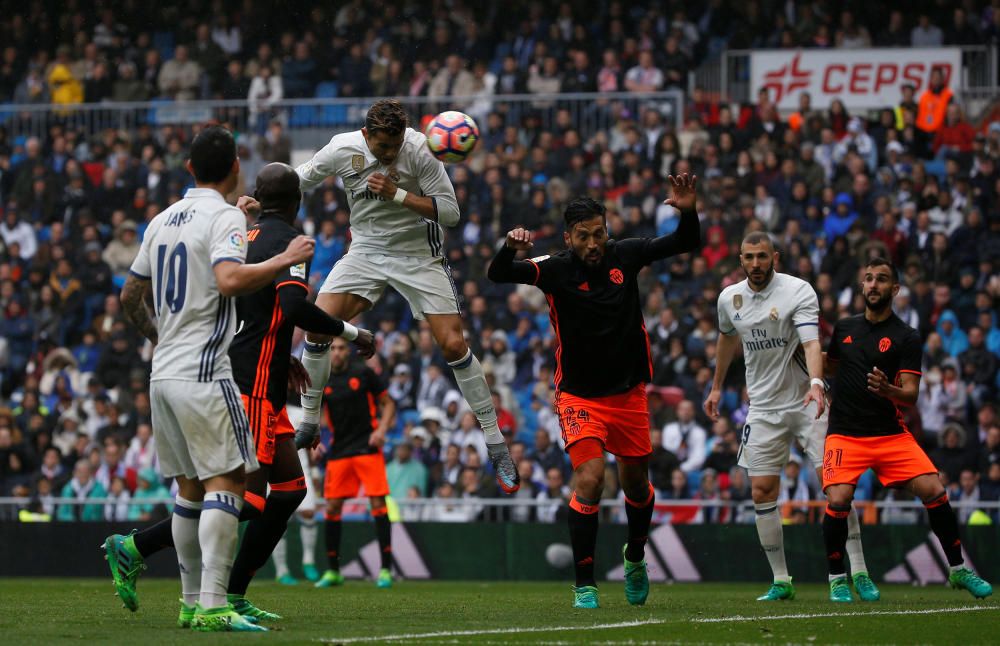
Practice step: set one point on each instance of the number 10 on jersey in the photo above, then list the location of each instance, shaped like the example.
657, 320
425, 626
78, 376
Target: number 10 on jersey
175, 286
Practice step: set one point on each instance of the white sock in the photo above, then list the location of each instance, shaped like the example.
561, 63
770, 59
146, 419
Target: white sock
218, 532
308, 531
834, 577
316, 361
184, 527
855, 553
472, 383
280, 558
960, 566
772, 539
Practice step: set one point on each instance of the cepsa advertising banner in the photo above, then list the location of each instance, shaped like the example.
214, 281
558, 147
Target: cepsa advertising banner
861, 78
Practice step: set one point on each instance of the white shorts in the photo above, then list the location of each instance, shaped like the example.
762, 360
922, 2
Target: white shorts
295, 415
425, 282
201, 430
767, 438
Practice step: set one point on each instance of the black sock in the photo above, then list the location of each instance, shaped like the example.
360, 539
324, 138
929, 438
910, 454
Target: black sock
333, 543
260, 537
944, 524
383, 529
835, 537
639, 515
154, 538
583, 536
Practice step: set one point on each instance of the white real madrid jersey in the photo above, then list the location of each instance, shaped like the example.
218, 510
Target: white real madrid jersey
772, 324
379, 225
194, 321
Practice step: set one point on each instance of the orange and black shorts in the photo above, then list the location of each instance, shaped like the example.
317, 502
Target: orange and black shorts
267, 425
619, 422
894, 458
345, 476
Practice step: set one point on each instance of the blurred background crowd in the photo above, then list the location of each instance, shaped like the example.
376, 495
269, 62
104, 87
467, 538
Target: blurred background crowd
833, 188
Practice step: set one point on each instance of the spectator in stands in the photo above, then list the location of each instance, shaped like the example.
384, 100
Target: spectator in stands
149, 488
925, 34
955, 135
299, 75
685, 438
851, 35
209, 56
403, 472
180, 77
933, 103
266, 89
81, 487
645, 76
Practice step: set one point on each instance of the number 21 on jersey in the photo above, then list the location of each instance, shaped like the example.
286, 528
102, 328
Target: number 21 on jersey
171, 277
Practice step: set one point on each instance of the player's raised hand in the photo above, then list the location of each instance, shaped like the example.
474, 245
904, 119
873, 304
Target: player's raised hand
682, 191
248, 205
878, 383
817, 394
382, 185
365, 343
300, 249
711, 405
520, 239
298, 377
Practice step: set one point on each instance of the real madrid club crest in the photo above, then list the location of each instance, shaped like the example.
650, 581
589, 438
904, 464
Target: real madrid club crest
357, 162
393, 175
774, 313
737, 301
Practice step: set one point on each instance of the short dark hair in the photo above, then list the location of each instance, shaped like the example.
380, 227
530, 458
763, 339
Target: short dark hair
388, 116
582, 208
879, 261
213, 152
757, 237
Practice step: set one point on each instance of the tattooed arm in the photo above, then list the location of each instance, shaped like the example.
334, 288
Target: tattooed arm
137, 297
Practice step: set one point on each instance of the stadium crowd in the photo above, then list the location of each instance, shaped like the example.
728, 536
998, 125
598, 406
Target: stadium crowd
832, 188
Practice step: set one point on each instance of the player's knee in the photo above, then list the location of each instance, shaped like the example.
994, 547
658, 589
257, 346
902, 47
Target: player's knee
764, 492
307, 514
454, 347
589, 482
334, 507
377, 502
838, 497
284, 503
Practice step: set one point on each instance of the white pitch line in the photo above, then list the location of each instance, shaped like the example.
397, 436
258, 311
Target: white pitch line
495, 631
824, 615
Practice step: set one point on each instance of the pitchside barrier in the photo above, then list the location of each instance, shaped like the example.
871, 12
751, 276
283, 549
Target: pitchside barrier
510, 550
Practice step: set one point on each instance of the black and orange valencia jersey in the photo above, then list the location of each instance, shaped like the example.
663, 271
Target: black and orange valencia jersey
350, 403
857, 346
263, 342
602, 346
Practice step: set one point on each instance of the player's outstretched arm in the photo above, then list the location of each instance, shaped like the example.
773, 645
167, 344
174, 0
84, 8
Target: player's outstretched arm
318, 168
234, 278
136, 296
725, 350
303, 314
504, 269
687, 236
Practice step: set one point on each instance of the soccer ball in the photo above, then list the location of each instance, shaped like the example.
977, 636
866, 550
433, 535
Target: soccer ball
452, 136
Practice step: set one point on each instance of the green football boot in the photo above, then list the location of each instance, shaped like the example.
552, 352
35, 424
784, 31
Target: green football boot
585, 596
865, 587
779, 591
636, 581
840, 591
330, 579
222, 619
310, 572
246, 609
186, 615
126, 563
384, 579
287, 579
965, 579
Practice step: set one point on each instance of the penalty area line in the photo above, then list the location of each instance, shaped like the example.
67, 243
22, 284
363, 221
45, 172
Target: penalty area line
824, 615
493, 631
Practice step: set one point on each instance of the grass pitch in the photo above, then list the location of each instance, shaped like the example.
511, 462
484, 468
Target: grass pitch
48, 611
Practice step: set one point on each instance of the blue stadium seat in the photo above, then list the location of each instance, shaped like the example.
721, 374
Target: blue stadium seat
332, 115
303, 116
327, 90
164, 42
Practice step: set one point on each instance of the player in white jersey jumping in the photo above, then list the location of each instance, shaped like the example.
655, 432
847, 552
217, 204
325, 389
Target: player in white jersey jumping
399, 196
773, 313
189, 267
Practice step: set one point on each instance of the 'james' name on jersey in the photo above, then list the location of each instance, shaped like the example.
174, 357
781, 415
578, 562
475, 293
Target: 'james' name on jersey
773, 323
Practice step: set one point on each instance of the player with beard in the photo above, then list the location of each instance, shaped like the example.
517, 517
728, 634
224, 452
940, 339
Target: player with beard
776, 316
876, 359
602, 366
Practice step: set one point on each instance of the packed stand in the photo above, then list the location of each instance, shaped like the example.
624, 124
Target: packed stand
833, 189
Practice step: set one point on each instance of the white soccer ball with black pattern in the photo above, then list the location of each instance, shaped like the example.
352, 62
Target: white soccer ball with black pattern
452, 136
